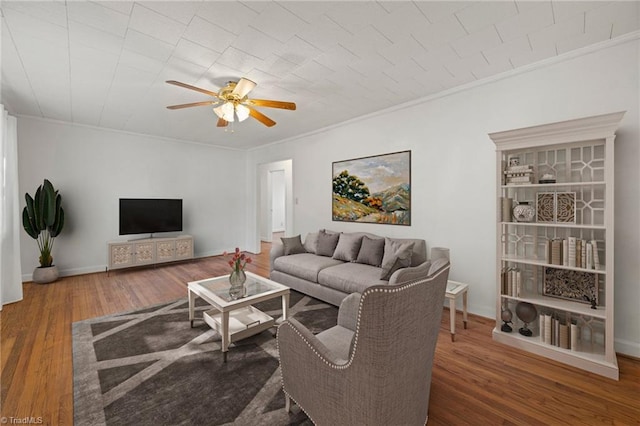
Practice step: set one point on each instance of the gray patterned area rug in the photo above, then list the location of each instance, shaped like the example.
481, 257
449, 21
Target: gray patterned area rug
149, 367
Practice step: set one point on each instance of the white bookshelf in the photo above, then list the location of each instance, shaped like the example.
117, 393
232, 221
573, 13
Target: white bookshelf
579, 154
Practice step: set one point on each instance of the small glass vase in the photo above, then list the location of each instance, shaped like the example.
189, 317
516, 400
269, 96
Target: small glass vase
237, 279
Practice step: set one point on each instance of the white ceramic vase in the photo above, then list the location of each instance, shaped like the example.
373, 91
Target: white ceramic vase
524, 212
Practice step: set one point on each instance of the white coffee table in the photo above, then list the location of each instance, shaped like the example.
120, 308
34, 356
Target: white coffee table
236, 319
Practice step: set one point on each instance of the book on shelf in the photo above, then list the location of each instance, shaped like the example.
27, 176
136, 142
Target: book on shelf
571, 256
556, 252
564, 336
518, 175
596, 256
556, 332
519, 179
519, 169
589, 256
573, 252
511, 282
548, 331
575, 336
547, 252
578, 260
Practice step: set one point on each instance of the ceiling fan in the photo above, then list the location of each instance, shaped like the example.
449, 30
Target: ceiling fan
232, 102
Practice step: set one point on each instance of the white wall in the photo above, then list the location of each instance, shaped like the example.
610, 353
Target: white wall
94, 167
453, 170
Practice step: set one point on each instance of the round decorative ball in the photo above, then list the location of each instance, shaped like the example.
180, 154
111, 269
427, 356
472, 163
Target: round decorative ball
526, 312
507, 315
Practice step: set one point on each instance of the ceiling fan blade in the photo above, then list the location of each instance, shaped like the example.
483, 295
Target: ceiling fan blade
194, 104
243, 87
272, 104
188, 86
261, 117
222, 123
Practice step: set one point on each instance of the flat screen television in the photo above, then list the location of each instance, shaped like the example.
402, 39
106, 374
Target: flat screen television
150, 215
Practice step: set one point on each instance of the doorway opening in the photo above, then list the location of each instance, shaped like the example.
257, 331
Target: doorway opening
275, 200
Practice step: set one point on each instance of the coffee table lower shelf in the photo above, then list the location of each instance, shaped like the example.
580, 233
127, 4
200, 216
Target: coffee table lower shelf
243, 322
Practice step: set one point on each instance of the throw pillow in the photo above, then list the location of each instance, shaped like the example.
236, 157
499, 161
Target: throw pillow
371, 251
292, 245
348, 247
327, 243
311, 242
396, 255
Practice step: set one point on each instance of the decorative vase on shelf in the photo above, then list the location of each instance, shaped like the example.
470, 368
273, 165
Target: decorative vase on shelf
506, 316
523, 212
237, 279
527, 313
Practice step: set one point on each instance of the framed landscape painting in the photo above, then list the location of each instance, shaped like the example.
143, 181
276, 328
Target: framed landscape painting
374, 189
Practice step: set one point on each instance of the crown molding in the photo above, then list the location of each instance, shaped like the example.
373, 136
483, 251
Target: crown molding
626, 38
129, 133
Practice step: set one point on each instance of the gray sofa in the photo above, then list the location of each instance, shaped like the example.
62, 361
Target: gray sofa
331, 275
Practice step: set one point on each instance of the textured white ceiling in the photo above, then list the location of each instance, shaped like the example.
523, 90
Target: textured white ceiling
105, 63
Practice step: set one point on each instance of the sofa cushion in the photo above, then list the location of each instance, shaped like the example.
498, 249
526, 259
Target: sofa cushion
304, 265
371, 251
350, 277
327, 243
311, 242
419, 255
292, 245
396, 255
348, 247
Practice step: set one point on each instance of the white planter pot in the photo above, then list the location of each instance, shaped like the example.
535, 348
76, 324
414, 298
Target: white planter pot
45, 275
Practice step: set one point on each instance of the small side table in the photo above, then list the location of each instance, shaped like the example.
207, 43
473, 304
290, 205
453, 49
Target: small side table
455, 290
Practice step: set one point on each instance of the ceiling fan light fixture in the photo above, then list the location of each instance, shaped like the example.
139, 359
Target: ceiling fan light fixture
225, 111
231, 102
242, 112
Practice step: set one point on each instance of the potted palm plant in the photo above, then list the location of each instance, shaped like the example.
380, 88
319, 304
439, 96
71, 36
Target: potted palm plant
43, 219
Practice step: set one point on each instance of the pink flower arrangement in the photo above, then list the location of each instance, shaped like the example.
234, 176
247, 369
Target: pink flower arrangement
238, 261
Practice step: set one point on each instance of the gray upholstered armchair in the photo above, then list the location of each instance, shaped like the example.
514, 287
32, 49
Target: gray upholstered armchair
374, 367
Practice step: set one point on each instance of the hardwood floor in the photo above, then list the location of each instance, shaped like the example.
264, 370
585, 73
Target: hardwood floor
475, 380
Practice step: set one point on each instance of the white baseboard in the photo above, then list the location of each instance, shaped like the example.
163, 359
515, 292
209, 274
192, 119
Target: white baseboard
71, 272
627, 347
103, 268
